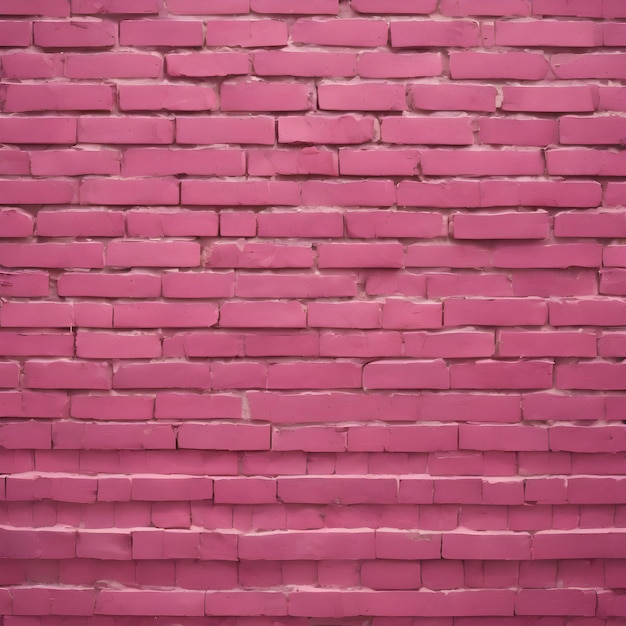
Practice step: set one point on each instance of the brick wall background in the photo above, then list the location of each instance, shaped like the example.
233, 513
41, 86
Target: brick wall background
312, 312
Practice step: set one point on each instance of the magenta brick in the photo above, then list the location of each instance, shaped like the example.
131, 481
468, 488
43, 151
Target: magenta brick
238, 224
14, 161
247, 33
558, 282
452, 97
201, 64
481, 163
114, 6
424, 34
366, 33
425, 130
37, 344
113, 65
24, 284
241, 375
173, 223
292, 162
80, 223
338, 489
592, 312
345, 314
79, 34
265, 96
406, 315
20, 65
508, 65
318, 375
536, 256
135, 285
286, 63
119, 130
453, 194
138, 602
310, 439
364, 97
170, 33
166, 98
518, 132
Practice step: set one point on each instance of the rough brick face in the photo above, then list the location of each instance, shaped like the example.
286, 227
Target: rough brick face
312, 313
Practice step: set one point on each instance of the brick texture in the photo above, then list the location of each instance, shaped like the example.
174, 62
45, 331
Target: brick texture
312, 313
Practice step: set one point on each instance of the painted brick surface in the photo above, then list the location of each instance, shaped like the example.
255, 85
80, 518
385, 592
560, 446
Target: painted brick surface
312, 313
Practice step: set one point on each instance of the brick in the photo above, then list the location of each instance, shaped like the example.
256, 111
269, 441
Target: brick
546, 32
546, 344
147, 602
319, 7
166, 98
128, 191
597, 375
218, 7
310, 439
20, 65
427, 130
262, 314
141, 7
16, 223
120, 130
265, 96
112, 65
191, 406
128, 253
363, 97
118, 407
456, 344
238, 375
518, 132
247, 193
75, 162
58, 97
390, 575
391, 282
592, 312
407, 315
259, 255
205, 64
339, 255
548, 99
80, 223
500, 546
425, 34
555, 602
348, 193
217, 130
25, 191
447, 255
503, 65
489, 374
381, 224
452, 97
585, 162
67, 375
546, 282
77, 34
609, 439
481, 162
309, 160
508, 8
304, 64
24, 284
198, 284
345, 314
547, 256
594, 130
399, 65
360, 33
57, 8
509, 437
166, 33
499, 312
406, 375
251, 285
171, 223
257, 33
52, 255
14, 161
600, 65
164, 375
560, 407
164, 315
344, 129
131, 285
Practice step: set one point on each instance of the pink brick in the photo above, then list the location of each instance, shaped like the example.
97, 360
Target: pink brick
198, 285
128, 191
248, 193
201, 64
114, 6
80, 223
238, 224
238, 375
265, 96
164, 314
508, 8
28, 191
348, 193
546, 32
118, 407
56, 8
247, 33
327, 7
318, 375
519, 132
390, 574
225, 436
282, 343
338, 489
25, 314
172, 223
14, 161
481, 162
78, 34
135, 285
502, 65
406, 375
16, 223
300, 224
336, 255
589, 312
16, 34
295, 285
20, 65
163, 161
452, 97
600, 65
452, 194
407, 315
218, 7
262, 314
597, 375
345, 129
166, 98
345, 314
24, 284
390, 282
426, 130
259, 255
112, 65
448, 344
548, 99
366, 33
399, 65
593, 130
164, 375
425, 34
292, 162
464, 545
147, 602
59, 255
67, 375
546, 344
287, 63
37, 344
363, 97
500, 311
74, 162
546, 256
546, 282
122, 130
216, 130
310, 439
380, 224
556, 602
102, 345
58, 97
502, 437
170, 33
501, 375
128, 253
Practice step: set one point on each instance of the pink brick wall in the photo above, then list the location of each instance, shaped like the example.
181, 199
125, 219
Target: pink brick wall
313, 312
